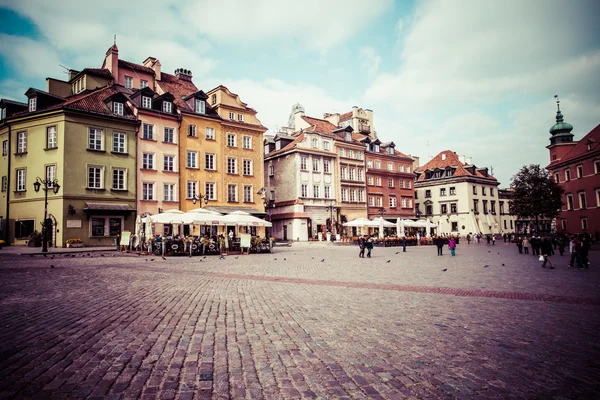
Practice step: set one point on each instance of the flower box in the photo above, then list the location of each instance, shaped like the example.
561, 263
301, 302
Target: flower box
74, 245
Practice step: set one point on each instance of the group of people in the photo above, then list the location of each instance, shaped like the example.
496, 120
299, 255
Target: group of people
579, 246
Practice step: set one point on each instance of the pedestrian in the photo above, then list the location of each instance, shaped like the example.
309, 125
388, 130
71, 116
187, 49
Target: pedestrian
452, 246
369, 246
504, 237
520, 245
404, 244
533, 243
561, 245
493, 240
585, 248
439, 243
468, 238
574, 248
361, 246
488, 239
546, 250
526, 245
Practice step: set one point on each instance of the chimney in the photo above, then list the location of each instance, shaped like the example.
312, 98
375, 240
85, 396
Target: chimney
183, 74
461, 159
72, 73
111, 61
469, 160
153, 63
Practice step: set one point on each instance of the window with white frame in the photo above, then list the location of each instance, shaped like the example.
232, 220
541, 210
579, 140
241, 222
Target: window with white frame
377, 181
247, 194
404, 203
147, 161
167, 106
192, 159
570, 202
348, 136
4, 183
315, 191
344, 194
231, 140
582, 201
361, 195
393, 201
379, 201
169, 163
5, 148
128, 82
231, 165
377, 164
401, 168
350, 153
371, 201
247, 167
210, 133
369, 163
119, 141
95, 139
390, 166
303, 161
376, 148
351, 173
191, 189
597, 197
360, 174
148, 131
169, 135
370, 180
315, 165
22, 142
408, 184
247, 142
231, 115
409, 203
95, 177
342, 152
209, 162
391, 182
232, 193
304, 192
326, 166
325, 145
20, 187
148, 191
241, 117
169, 192
143, 83
118, 108
352, 195
192, 130
596, 167
2, 113
199, 106
32, 104
401, 181
408, 169
51, 137
359, 155
271, 170
146, 102
210, 190
343, 173
119, 179
584, 224
327, 192
315, 144
106, 226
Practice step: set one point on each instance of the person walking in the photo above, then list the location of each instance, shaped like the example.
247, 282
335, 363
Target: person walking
452, 246
546, 250
369, 246
583, 254
520, 245
504, 237
533, 242
361, 246
561, 245
468, 238
493, 240
488, 238
526, 245
439, 243
404, 244
574, 248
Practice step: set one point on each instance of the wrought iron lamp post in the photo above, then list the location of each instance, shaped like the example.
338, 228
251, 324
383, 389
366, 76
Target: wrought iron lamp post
331, 208
200, 197
48, 184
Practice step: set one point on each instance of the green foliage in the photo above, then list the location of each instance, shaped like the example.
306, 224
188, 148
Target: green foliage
535, 194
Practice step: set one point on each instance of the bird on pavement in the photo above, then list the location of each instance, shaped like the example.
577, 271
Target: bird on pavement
52, 266
152, 259
445, 269
485, 266
323, 260
236, 257
397, 252
163, 257
388, 261
503, 265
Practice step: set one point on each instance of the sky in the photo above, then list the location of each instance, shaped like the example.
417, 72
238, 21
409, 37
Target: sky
476, 77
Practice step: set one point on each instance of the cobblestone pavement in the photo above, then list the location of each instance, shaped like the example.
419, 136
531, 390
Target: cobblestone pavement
305, 322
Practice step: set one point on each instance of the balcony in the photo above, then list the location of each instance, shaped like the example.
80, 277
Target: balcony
364, 128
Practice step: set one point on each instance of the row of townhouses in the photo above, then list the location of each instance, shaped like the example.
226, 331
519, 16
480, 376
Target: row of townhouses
124, 140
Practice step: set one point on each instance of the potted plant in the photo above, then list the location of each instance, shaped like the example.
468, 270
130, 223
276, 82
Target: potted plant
74, 243
2, 243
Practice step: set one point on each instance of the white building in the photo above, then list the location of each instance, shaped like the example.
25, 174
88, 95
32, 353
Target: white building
457, 195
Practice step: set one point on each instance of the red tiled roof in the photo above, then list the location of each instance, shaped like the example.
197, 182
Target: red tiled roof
289, 146
581, 147
451, 160
178, 88
346, 115
97, 71
320, 125
289, 216
136, 67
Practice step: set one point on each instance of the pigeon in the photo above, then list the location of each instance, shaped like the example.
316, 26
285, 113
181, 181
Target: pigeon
388, 261
503, 265
101, 255
52, 266
284, 259
204, 257
445, 269
146, 260
236, 257
52, 258
88, 254
498, 252
275, 259
323, 260
163, 257
489, 251
485, 266
397, 252
152, 259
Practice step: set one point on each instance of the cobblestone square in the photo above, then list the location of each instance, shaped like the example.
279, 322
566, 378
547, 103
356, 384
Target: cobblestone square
308, 321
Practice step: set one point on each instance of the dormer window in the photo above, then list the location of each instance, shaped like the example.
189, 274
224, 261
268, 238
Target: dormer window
376, 148
348, 136
146, 102
213, 99
231, 115
315, 144
167, 106
391, 150
118, 108
143, 84
2, 113
128, 82
32, 104
200, 106
241, 117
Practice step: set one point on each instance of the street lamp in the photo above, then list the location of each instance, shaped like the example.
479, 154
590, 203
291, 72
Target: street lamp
331, 208
418, 213
48, 184
197, 197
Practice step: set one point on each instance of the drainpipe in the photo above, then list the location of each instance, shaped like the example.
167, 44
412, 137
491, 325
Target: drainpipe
8, 175
180, 119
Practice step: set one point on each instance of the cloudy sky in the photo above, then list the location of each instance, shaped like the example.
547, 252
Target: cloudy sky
477, 77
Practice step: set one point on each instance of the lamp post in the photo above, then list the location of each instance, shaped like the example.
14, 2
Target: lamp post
200, 197
331, 208
48, 184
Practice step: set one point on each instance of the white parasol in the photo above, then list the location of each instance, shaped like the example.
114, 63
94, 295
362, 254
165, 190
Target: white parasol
139, 227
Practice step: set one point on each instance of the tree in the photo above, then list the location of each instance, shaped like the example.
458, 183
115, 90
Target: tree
535, 194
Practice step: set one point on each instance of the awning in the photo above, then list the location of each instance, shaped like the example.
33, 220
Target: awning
230, 209
108, 208
291, 215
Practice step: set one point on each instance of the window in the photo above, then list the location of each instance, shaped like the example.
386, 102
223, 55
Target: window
231, 140
2, 113
350, 153
24, 228
351, 176
118, 179
51, 138
342, 152
191, 189
476, 206
199, 106
315, 165
169, 137
493, 207
379, 201
4, 183
210, 190
359, 155
304, 191
582, 201
579, 171
315, 191
119, 142
353, 195
393, 202
361, 195
377, 181
5, 148
391, 182
344, 194
428, 210
409, 203
128, 82
50, 174
569, 202
390, 166
370, 180
247, 167
505, 227
192, 130
348, 136
474, 189
95, 139
231, 192
32, 104
147, 161
326, 166
369, 163
118, 108
169, 163
453, 208
485, 207
360, 175
247, 194
563, 223
377, 164
597, 197
325, 145
315, 144
22, 142
209, 161
427, 194
343, 173
557, 177
416, 194
146, 102
231, 115
247, 142
567, 175
95, 178
213, 99
271, 170
303, 163
442, 191
444, 209
98, 226
169, 192
231, 165
584, 224
452, 191
483, 190
192, 159
20, 180
210, 133
371, 201
167, 106
376, 148
143, 84
597, 166
148, 132
491, 191
327, 192
408, 169
147, 191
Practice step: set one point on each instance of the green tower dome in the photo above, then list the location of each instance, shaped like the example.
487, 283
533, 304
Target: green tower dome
560, 126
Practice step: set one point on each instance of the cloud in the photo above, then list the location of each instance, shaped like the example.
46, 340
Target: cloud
369, 60
29, 57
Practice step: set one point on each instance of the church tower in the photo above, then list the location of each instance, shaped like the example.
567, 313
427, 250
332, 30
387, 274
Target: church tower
561, 139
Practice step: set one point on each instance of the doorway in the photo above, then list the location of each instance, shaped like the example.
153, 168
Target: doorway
284, 232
